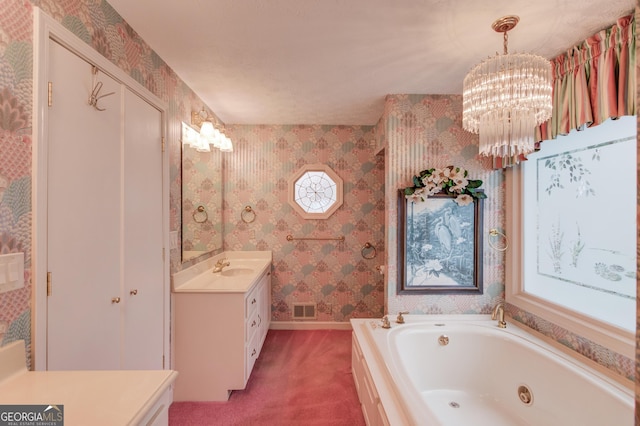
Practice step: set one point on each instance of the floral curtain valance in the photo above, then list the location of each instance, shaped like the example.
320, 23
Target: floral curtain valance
593, 81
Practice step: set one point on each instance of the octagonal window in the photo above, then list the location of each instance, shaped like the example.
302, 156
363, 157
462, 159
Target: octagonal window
315, 191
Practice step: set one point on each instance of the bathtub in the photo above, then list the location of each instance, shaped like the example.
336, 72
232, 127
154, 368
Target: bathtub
464, 370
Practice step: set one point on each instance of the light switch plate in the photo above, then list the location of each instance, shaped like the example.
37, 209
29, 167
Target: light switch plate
12, 271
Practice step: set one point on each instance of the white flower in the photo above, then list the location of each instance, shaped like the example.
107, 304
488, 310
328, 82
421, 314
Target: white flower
432, 188
435, 177
427, 247
463, 199
460, 184
433, 265
461, 181
456, 173
418, 195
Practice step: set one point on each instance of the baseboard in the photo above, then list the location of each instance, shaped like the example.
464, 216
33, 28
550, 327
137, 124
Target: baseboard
309, 325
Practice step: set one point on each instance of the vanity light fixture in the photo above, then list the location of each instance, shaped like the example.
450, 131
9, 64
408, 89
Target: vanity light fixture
209, 134
193, 139
505, 97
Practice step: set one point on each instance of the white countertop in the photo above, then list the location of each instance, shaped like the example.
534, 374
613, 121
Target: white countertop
240, 276
90, 397
120, 397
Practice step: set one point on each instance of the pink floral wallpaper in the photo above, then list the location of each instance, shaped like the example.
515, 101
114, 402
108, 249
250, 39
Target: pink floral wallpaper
16, 83
424, 131
332, 274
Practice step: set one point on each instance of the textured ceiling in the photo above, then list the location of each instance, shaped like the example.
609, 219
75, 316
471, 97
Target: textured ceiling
333, 61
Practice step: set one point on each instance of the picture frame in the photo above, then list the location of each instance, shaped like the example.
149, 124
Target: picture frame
439, 245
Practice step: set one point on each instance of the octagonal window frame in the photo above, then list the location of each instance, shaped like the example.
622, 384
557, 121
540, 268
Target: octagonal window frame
309, 171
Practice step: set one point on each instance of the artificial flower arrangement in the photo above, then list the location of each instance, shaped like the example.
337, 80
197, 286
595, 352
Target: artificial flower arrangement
450, 180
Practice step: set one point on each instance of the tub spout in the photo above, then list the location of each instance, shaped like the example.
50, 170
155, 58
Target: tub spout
498, 313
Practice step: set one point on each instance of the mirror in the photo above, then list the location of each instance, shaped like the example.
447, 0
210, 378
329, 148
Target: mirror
201, 199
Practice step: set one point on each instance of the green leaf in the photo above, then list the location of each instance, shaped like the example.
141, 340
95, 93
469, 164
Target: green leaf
474, 183
409, 191
417, 182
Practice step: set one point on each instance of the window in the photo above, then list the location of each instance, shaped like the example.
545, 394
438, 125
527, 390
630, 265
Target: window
315, 191
572, 218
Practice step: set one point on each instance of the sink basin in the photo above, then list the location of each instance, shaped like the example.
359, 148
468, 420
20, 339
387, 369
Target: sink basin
235, 272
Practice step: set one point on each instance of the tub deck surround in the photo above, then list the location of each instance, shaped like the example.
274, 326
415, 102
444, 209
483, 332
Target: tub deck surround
463, 369
244, 269
121, 397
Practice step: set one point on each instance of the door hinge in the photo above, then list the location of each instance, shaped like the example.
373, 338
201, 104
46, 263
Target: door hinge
163, 144
163, 254
50, 94
163, 362
48, 283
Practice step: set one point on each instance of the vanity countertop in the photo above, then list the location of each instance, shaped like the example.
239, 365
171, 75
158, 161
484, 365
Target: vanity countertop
119, 397
243, 272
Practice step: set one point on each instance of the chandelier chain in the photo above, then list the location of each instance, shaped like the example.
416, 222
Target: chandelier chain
506, 41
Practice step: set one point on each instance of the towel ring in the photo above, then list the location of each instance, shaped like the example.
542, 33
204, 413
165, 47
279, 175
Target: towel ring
368, 246
248, 210
200, 209
495, 233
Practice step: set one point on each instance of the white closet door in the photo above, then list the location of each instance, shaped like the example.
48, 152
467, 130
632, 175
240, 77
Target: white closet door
143, 236
84, 186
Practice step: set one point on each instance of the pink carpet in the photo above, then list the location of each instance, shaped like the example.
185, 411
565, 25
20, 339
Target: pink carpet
301, 378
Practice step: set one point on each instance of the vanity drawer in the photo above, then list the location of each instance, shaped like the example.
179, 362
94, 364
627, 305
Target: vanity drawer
251, 355
251, 302
252, 325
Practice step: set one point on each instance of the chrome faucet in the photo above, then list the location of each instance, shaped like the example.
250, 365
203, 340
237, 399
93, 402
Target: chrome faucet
498, 313
220, 264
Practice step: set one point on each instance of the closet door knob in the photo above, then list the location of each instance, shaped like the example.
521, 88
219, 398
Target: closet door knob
133, 292
115, 300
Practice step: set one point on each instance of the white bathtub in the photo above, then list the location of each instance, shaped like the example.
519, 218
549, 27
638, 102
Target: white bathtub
484, 375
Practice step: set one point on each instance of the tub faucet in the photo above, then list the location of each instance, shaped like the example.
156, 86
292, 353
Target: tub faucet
385, 322
498, 313
220, 264
400, 319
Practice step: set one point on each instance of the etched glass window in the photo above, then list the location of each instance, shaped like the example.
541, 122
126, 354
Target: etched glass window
579, 222
315, 191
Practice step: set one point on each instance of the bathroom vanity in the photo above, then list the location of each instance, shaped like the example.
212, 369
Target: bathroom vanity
120, 397
221, 322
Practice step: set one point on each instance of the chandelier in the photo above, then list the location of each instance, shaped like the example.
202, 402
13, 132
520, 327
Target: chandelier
505, 97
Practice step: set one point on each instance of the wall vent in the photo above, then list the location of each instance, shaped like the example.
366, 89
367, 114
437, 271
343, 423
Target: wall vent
304, 311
